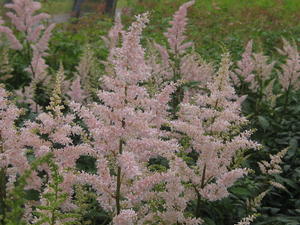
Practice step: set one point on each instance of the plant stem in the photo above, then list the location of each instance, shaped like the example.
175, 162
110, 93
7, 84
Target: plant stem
197, 214
203, 176
2, 189
286, 99
53, 216
197, 209
2, 195
118, 190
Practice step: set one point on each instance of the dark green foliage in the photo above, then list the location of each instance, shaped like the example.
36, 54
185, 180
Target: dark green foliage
87, 164
88, 207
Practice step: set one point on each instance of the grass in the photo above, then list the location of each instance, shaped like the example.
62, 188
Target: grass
50, 6
218, 24
58, 7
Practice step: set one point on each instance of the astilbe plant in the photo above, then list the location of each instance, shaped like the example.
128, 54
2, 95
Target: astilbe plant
83, 88
14, 42
125, 135
53, 132
289, 75
290, 70
13, 161
34, 37
253, 68
254, 71
17, 174
179, 61
256, 76
212, 126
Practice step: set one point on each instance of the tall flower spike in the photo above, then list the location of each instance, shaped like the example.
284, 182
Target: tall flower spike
128, 60
175, 34
56, 99
114, 33
289, 77
253, 69
14, 42
86, 77
25, 18
245, 65
30, 24
76, 92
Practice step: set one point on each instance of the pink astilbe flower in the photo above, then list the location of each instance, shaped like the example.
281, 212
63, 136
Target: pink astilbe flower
114, 33
29, 23
13, 160
26, 20
52, 132
82, 87
128, 61
14, 42
76, 92
246, 66
213, 125
125, 131
273, 167
38, 65
161, 65
126, 217
129, 165
247, 220
194, 68
253, 69
179, 61
175, 34
112, 41
290, 71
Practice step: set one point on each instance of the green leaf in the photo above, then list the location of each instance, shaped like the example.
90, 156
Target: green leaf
263, 122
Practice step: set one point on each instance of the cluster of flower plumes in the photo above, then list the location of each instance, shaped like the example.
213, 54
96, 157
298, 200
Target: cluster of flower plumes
130, 128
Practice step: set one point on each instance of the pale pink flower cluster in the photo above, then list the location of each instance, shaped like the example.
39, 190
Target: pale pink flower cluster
253, 69
211, 123
76, 91
14, 42
27, 21
273, 167
290, 71
247, 220
59, 131
175, 62
53, 132
114, 34
30, 24
128, 60
126, 217
12, 148
81, 89
175, 34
